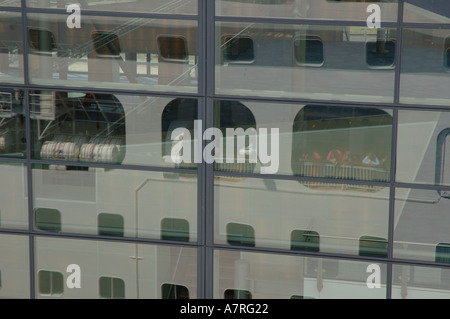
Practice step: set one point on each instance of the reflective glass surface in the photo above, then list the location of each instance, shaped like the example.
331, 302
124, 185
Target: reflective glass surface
303, 140
14, 267
110, 128
11, 48
304, 216
112, 270
119, 203
423, 11
422, 152
14, 196
10, 3
307, 9
114, 53
421, 219
425, 66
12, 123
246, 275
153, 6
416, 282
305, 61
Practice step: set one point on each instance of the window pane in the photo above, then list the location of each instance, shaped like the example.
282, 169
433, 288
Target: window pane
305, 9
111, 288
305, 140
243, 275
11, 47
115, 269
269, 213
15, 276
422, 147
114, 53
417, 282
306, 61
124, 203
47, 219
14, 197
111, 128
426, 11
425, 67
420, 230
188, 7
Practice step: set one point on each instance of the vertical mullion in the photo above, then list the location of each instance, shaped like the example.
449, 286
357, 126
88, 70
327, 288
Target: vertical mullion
391, 226
28, 149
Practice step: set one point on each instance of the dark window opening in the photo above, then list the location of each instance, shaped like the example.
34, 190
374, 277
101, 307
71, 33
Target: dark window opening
111, 288
380, 54
42, 41
447, 53
308, 50
172, 291
110, 225
237, 294
106, 44
50, 283
238, 49
305, 240
342, 143
176, 229
240, 235
373, 247
173, 48
48, 219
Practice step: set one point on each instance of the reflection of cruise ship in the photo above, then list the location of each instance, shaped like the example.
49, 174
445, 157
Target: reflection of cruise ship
107, 196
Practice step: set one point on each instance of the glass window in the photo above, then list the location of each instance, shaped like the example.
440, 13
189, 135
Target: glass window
342, 142
422, 152
13, 198
443, 253
252, 211
188, 7
126, 203
172, 291
308, 50
111, 288
420, 218
426, 11
124, 54
175, 229
113, 269
110, 224
276, 276
373, 247
14, 268
308, 61
238, 49
48, 219
306, 9
240, 235
380, 53
173, 48
107, 128
420, 282
424, 67
11, 47
237, 294
51, 283
106, 44
305, 240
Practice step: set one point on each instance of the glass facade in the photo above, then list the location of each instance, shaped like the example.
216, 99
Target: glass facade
226, 149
